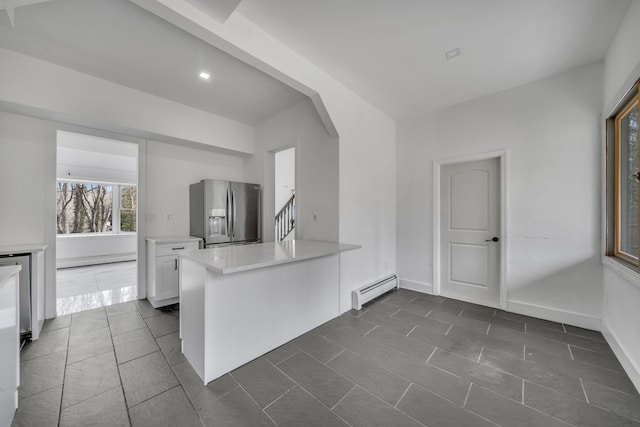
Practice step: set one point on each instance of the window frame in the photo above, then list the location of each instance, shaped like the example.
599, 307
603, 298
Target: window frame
630, 101
120, 208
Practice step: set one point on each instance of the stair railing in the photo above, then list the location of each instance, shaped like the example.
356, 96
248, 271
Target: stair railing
286, 219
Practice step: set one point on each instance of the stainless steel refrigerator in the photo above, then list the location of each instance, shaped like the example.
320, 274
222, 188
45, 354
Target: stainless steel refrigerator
224, 212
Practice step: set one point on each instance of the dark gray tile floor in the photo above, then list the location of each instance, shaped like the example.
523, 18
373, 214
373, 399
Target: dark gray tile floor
406, 359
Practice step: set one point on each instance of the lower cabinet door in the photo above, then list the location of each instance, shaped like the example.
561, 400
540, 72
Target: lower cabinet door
166, 277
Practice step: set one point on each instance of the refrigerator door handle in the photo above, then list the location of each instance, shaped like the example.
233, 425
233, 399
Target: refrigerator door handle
233, 199
227, 218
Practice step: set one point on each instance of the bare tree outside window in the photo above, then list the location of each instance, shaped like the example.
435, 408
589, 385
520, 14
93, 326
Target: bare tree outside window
84, 208
128, 208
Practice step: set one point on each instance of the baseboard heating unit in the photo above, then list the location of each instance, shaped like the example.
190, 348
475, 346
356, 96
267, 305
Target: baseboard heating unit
373, 290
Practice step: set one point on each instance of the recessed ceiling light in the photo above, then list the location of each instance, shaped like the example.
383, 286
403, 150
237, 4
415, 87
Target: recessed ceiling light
204, 75
450, 54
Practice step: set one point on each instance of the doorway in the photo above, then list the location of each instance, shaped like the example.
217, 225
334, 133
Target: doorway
96, 222
469, 228
285, 194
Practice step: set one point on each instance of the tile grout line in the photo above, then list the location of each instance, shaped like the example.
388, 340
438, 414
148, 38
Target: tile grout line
113, 347
403, 394
570, 352
449, 329
254, 401
276, 399
369, 331
343, 397
397, 409
303, 388
488, 329
332, 359
431, 355
413, 329
286, 358
64, 371
522, 392
467, 396
584, 390
480, 354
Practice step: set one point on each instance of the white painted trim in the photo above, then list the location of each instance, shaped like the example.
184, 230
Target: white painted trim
501, 155
555, 315
626, 273
94, 260
630, 366
426, 288
459, 298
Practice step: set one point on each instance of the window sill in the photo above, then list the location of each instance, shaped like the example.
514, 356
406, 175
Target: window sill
89, 235
623, 269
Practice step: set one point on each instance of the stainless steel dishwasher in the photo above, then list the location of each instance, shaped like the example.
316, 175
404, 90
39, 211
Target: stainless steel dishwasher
25, 289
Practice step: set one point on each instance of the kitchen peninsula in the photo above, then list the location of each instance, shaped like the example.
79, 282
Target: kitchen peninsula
239, 302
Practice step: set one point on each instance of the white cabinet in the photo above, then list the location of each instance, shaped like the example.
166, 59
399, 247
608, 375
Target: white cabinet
10, 347
163, 266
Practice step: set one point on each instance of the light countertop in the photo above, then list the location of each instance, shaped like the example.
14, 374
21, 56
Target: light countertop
233, 259
8, 271
172, 239
22, 249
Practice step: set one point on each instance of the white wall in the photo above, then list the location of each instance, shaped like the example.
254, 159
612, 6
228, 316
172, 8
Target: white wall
27, 196
49, 91
285, 177
620, 314
170, 171
316, 169
27, 171
89, 249
550, 132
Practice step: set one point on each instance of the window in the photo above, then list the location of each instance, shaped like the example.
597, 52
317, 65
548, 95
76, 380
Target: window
84, 207
624, 125
128, 208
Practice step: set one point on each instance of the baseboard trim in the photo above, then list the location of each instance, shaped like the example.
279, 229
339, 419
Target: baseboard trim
412, 285
630, 366
94, 260
555, 315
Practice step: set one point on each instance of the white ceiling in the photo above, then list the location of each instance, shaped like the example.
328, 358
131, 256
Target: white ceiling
120, 42
392, 52
83, 157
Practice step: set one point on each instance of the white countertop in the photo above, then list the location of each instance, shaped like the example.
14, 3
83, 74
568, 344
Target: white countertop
172, 239
8, 271
233, 259
22, 249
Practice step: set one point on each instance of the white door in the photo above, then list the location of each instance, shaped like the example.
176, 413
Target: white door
470, 231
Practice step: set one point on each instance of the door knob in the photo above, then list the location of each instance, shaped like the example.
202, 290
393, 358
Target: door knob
493, 239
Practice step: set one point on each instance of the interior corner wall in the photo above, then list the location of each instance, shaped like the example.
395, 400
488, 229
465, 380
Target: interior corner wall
620, 314
550, 131
316, 155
